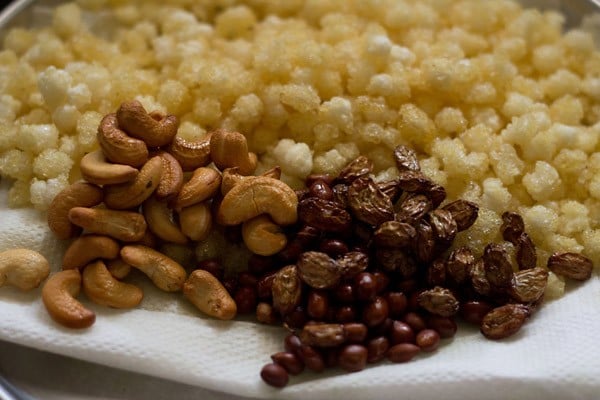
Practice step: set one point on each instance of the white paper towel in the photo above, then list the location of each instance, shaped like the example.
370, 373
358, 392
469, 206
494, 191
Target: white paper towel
555, 356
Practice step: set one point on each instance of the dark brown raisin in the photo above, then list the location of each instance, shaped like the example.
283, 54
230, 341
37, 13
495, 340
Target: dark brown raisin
414, 181
412, 208
406, 159
443, 225
498, 269
368, 204
424, 245
359, 168
323, 335
464, 213
392, 259
512, 226
286, 289
390, 189
504, 321
528, 286
458, 265
325, 215
353, 263
571, 265
526, 254
318, 270
394, 234
479, 280
438, 301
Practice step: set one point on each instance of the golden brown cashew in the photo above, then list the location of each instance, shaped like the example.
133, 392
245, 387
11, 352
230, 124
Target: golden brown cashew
79, 194
87, 248
159, 218
132, 194
127, 226
58, 295
274, 172
205, 291
196, 221
23, 268
259, 195
229, 179
166, 274
102, 288
203, 184
96, 169
118, 268
172, 177
191, 155
262, 236
133, 119
117, 146
230, 149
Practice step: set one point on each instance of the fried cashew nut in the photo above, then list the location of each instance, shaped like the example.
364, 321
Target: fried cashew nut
159, 218
172, 177
196, 221
230, 149
167, 274
23, 268
79, 194
259, 195
203, 184
87, 248
132, 194
127, 226
118, 147
118, 268
191, 155
96, 169
262, 236
59, 297
205, 292
103, 288
133, 118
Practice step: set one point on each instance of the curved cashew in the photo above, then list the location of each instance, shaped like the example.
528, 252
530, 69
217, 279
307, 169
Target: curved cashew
259, 195
58, 296
96, 169
274, 172
118, 268
117, 146
230, 178
102, 288
127, 226
132, 194
196, 221
79, 194
172, 177
203, 184
86, 248
23, 268
159, 219
230, 149
166, 274
191, 155
262, 236
155, 132
205, 291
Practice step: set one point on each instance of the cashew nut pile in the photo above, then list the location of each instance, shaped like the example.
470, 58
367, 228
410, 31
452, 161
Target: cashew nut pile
146, 186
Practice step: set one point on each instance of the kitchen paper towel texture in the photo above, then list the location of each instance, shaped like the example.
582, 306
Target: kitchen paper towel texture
555, 356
